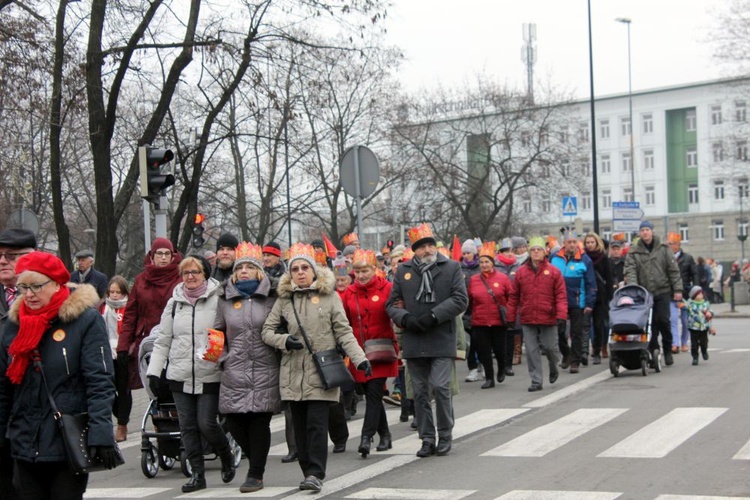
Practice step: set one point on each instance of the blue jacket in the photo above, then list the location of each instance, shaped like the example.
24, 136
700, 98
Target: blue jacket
580, 279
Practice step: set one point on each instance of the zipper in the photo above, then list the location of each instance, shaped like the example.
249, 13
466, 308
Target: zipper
65, 355
104, 363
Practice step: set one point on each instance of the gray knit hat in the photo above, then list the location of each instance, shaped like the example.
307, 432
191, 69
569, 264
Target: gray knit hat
518, 242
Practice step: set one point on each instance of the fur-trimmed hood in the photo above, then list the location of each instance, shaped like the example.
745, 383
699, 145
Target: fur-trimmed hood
324, 284
82, 297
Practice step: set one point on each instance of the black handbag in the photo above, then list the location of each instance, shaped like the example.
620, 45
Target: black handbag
329, 363
74, 430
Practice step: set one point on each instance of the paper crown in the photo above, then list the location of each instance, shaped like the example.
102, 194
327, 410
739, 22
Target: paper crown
618, 237
443, 250
674, 237
248, 252
364, 257
321, 258
569, 234
488, 249
381, 273
408, 255
537, 241
551, 241
350, 239
302, 251
420, 232
506, 243
214, 346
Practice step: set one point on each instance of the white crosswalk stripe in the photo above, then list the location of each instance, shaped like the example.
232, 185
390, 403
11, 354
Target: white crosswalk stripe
92, 493
558, 495
410, 494
223, 492
697, 497
659, 438
547, 438
744, 453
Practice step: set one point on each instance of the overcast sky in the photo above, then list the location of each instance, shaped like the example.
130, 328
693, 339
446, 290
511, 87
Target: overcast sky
450, 41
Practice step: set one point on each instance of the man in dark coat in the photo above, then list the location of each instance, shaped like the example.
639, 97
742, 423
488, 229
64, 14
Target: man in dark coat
428, 295
87, 274
225, 247
273, 266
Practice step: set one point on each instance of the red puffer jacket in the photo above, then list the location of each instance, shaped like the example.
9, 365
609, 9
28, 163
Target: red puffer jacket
484, 309
539, 295
365, 309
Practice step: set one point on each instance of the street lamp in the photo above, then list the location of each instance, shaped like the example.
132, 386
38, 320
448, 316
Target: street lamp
626, 21
741, 233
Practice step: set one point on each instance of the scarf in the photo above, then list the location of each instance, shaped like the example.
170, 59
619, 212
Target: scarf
113, 320
162, 276
247, 287
32, 325
596, 256
193, 295
470, 264
508, 260
425, 293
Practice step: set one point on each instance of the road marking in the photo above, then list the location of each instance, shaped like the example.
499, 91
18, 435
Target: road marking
730, 351
568, 391
463, 427
266, 492
122, 492
659, 438
559, 495
547, 438
402, 494
697, 497
744, 453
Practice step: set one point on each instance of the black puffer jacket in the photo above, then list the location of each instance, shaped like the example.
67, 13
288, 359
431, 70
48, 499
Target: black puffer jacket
78, 366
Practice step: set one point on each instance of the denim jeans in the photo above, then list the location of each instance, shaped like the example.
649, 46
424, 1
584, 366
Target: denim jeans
198, 415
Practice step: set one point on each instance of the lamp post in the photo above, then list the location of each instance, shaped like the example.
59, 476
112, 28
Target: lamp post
594, 178
626, 21
741, 234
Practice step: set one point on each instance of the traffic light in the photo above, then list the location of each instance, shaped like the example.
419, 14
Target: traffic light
153, 182
198, 231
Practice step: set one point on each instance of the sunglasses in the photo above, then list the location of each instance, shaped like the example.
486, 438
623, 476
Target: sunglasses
304, 268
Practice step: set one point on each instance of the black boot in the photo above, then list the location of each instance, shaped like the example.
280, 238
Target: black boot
405, 407
385, 443
364, 446
227, 466
197, 482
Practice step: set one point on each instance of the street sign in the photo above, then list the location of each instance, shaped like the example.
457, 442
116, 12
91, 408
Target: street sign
626, 216
359, 166
570, 205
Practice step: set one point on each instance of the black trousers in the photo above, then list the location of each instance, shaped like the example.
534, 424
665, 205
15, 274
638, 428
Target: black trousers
124, 398
252, 431
489, 340
580, 324
698, 338
311, 435
660, 323
375, 418
48, 481
599, 318
6, 473
510, 345
337, 428
198, 415
471, 354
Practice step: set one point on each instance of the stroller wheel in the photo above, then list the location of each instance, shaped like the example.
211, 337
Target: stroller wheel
614, 367
187, 471
644, 367
149, 462
166, 462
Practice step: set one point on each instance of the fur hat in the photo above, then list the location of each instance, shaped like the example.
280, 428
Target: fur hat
44, 263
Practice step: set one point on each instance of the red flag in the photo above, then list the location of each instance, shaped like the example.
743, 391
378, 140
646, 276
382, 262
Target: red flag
456, 249
331, 249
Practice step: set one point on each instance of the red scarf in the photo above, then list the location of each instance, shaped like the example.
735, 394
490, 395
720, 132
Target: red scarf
32, 325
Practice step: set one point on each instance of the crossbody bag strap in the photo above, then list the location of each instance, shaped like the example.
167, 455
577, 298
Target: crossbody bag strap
52, 404
494, 297
301, 329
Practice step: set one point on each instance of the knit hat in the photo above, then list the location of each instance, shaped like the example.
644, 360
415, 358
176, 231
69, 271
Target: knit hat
204, 264
318, 244
469, 247
397, 251
505, 244
273, 248
227, 240
646, 223
695, 291
17, 238
160, 243
518, 242
349, 250
302, 251
248, 253
44, 263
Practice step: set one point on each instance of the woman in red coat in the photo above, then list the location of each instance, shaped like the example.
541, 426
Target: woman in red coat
364, 303
488, 297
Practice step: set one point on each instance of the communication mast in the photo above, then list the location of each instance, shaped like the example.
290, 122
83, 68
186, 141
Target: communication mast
528, 56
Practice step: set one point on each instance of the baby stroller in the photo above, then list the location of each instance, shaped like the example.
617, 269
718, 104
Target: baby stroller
166, 426
630, 331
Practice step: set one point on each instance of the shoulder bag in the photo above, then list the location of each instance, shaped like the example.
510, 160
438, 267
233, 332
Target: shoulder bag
329, 363
377, 351
497, 303
74, 430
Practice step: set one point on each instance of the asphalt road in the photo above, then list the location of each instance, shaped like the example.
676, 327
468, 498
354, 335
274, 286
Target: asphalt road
679, 434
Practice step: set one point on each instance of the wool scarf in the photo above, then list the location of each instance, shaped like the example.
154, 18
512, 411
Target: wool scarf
113, 320
425, 294
196, 293
32, 325
247, 287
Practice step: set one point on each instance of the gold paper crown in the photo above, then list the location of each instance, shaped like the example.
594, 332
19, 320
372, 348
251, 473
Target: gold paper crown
247, 250
444, 251
381, 273
364, 256
537, 241
488, 249
408, 254
321, 258
302, 250
421, 231
350, 239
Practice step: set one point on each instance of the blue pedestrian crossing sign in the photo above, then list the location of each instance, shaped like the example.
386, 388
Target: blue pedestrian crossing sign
570, 205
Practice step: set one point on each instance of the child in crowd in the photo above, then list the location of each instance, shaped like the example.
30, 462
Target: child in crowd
699, 323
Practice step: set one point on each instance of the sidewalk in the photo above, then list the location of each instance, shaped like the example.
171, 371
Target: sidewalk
724, 311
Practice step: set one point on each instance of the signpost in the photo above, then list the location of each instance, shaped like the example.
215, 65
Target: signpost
569, 206
626, 216
359, 175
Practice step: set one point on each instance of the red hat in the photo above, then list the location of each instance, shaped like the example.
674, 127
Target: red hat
162, 243
46, 264
273, 248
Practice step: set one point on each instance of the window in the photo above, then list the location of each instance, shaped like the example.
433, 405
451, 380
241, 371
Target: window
586, 167
586, 201
648, 123
627, 194
648, 159
606, 198
544, 170
583, 132
625, 126
527, 205
546, 205
718, 190
607, 233
563, 136
691, 156
741, 150
743, 187
716, 115
717, 148
606, 165
690, 120
740, 111
717, 230
650, 195
604, 129
742, 227
565, 168
525, 139
692, 194
627, 164
684, 232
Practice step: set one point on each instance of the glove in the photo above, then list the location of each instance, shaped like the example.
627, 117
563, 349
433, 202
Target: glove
366, 367
104, 454
122, 358
412, 324
427, 321
293, 344
153, 384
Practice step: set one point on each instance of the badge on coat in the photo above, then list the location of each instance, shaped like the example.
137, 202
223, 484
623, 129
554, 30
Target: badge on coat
496, 285
237, 305
546, 271
407, 276
315, 300
572, 268
375, 298
59, 335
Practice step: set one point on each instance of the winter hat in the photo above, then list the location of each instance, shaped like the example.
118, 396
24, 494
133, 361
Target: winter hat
397, 251
17, 238
695, 291
227, 240
273, 248
248, 253
421, 235
302, 251
44, 263
204, 264
161, 243
349, 250
646, 223
518, 242
469, 247
82, 254
318, 244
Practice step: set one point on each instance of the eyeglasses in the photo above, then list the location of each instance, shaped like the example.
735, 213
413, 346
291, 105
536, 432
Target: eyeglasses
11, 256
304, 268
166, 253
35, 288
194, 272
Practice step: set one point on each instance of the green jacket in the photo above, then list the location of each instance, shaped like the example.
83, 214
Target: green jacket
656, 271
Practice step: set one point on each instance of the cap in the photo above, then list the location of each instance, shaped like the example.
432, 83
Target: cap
646, 223
44, 263
227, 240
272, 248
17, 238
82, 254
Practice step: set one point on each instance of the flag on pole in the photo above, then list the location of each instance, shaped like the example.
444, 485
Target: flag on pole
456, 248
331, 249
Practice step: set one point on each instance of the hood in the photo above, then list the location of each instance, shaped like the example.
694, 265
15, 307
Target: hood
230, 291
325, 283
212, 288
82, 297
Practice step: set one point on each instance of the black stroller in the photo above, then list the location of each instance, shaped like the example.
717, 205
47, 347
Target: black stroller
166, 426
630, 331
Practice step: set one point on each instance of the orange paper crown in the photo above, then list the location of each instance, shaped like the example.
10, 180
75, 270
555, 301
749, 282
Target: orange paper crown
381, 273
350, 239
421, 231
214, 346
321, 258
444, 251
408, 254
302, 251
366, 257
618, 237
247, 250
674, 237
488, 249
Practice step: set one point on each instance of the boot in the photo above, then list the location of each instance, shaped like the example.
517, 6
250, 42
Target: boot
517, 349
197, 482
227, 466
565, 362
385, 443
364, 446
121, 433
405, 410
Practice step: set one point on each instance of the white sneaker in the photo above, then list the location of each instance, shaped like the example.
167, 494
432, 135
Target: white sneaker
481, 371
474, 376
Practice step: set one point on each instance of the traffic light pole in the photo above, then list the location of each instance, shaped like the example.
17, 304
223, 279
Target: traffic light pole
160, 216
147, 224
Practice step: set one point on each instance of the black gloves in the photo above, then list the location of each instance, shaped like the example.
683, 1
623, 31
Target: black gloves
104, 454
411, 323
153, 385
427, 321
293, 344
366, 367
